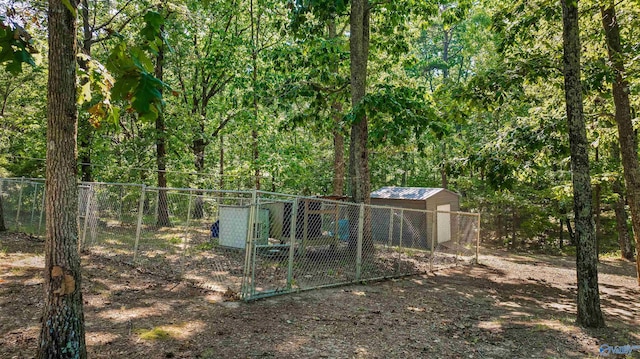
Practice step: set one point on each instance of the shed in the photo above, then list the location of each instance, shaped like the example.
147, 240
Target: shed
411, 227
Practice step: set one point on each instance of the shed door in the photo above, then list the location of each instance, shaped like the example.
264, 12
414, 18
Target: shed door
444, 223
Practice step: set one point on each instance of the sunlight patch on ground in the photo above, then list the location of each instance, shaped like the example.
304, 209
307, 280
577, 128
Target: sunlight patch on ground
124, 314
294, 345
33, 261
565, 307
100, 338
490, 325
510, 304
174, 331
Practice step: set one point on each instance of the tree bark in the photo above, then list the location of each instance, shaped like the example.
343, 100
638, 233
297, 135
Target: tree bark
255, 33
338, 138
588, 301
359, 52
85, 130
561, 234
624, 239
161, 150
62, 332
221, 169
626, 133
572, 236
358, 150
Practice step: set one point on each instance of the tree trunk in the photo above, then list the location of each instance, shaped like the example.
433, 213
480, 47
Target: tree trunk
358, 151
221, 170
255, 31
443, 166
572, 236
338, 138
161, 150
561, 235
588, 301
597, 199
62, 331
85, 130
359, 52
626, 252
626, 133
199, 146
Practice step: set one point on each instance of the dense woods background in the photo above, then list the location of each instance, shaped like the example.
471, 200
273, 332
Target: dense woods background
257, 93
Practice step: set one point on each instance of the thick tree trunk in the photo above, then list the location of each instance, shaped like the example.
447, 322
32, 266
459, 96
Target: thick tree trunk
359, 52
62, 333
589, 312
161, 152
358, 151
626, 133
624, 239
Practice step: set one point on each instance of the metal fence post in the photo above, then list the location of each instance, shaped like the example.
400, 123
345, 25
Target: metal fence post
401, 227
44, 197
434, 233
292, 242
359, 243
120, 204
248, 285
390, 227
33, 204
139, 226
478, 242
87, 212
18, 224
185, 241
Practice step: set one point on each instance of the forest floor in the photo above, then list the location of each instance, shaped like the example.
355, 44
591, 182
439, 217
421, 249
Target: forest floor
510, 306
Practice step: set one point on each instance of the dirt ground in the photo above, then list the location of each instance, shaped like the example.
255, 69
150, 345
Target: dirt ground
509, 306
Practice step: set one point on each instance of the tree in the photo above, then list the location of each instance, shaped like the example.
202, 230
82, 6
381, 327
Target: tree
359, 51
62, 333
626, 133
589, 313
161, 136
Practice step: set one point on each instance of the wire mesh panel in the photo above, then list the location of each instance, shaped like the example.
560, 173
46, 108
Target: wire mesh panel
252, 244
108, 219
23, 204
161, 241
328, 249
457, 238
215, 239
310, 243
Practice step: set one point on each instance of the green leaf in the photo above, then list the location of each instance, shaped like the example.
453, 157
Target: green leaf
70, 7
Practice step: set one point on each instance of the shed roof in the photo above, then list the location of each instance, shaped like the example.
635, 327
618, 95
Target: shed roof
412, 193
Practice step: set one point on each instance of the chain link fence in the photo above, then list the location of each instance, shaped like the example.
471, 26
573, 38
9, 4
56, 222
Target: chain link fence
251, 244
